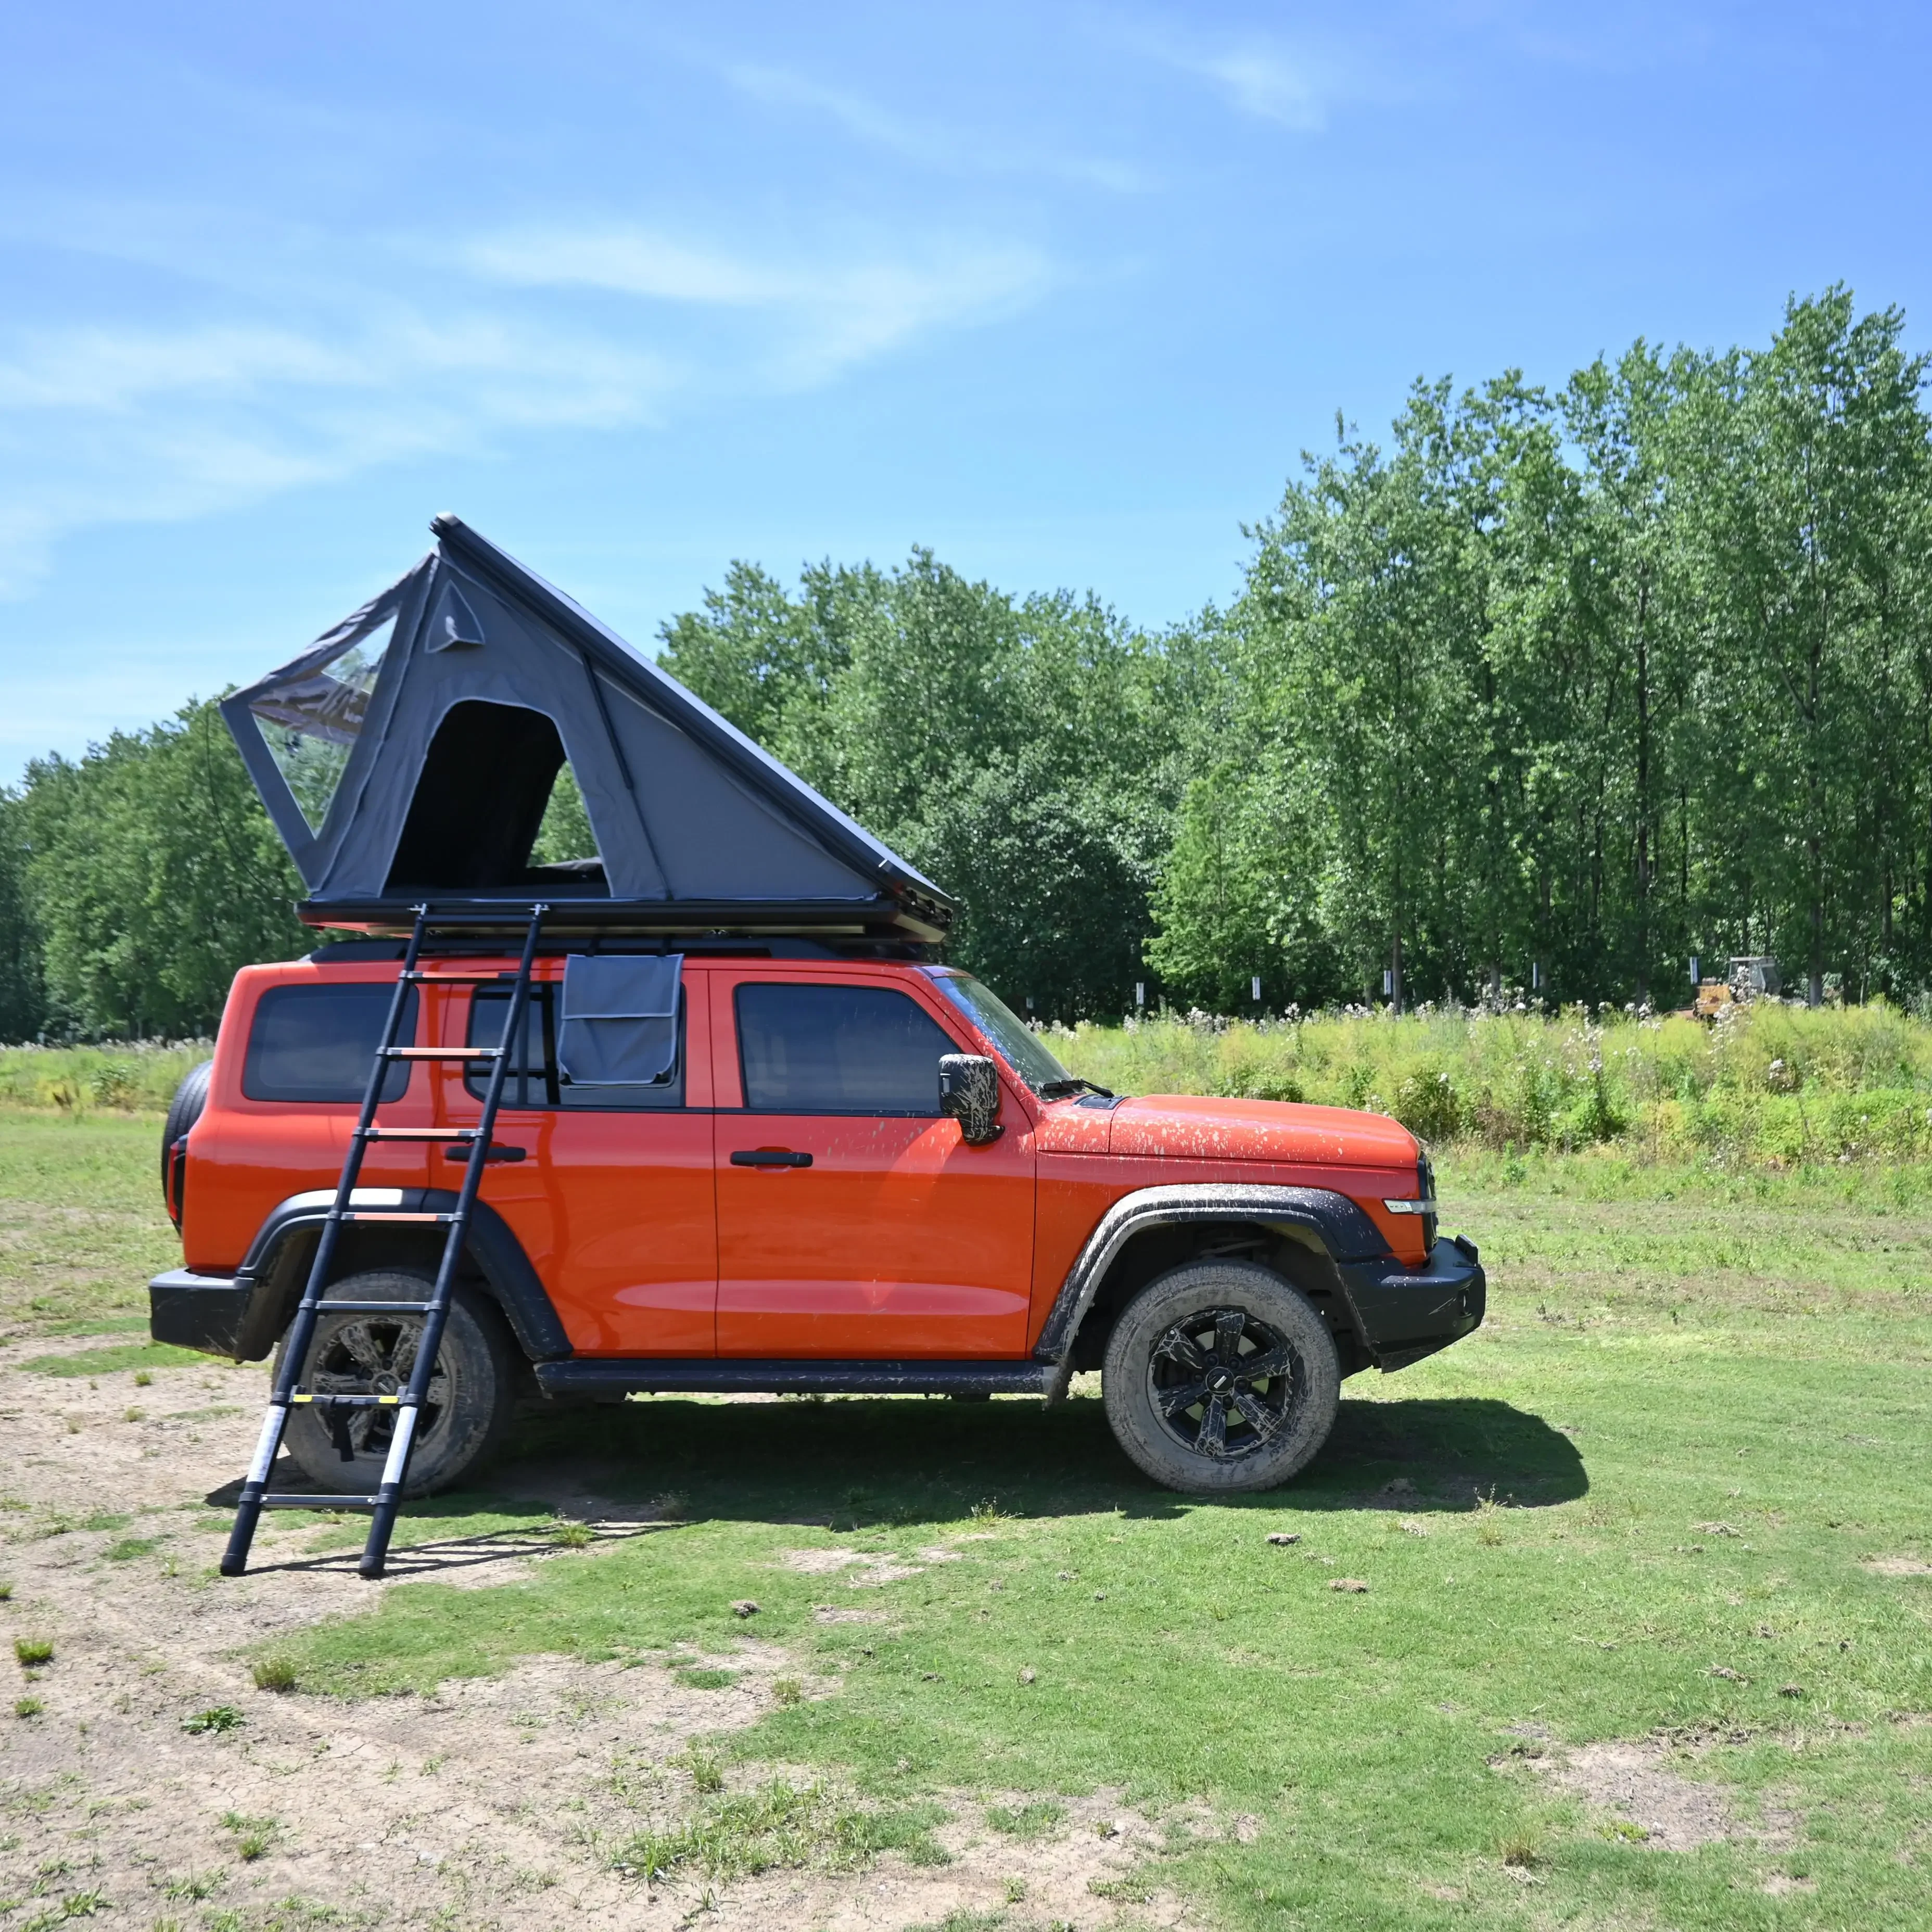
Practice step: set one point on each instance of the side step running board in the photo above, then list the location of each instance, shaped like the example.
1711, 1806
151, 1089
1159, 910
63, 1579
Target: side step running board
611, 1379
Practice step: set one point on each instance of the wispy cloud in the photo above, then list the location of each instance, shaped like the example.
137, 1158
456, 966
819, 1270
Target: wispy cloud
932, 143
331, 374
823, 317
1257, 74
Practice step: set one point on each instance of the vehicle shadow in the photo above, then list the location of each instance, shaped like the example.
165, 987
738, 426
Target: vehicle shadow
905, 1462
540, 1527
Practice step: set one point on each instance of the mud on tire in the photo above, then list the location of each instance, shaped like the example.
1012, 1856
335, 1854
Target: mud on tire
1220, 1377
472, 1394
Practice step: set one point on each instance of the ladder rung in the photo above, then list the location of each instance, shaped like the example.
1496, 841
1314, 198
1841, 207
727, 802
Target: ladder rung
418, 1133
347, 1401
440, 1053
332, 1307
392, 1214
318, 1502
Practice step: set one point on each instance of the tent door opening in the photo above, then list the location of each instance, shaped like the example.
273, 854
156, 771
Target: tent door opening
479, 805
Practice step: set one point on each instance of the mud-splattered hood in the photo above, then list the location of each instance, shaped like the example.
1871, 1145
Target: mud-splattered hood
1182, 1128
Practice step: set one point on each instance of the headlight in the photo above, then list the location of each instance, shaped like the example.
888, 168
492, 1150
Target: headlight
1424, 1204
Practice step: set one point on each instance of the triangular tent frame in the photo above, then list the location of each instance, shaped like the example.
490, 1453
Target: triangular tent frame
443, 752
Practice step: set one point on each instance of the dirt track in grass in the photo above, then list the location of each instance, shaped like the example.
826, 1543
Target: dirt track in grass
496, 1801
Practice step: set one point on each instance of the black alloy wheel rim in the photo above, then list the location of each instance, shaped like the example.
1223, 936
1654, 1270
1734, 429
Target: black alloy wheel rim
1223, 1383
374, 1354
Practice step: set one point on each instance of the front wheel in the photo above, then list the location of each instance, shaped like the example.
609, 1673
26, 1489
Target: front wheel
472, 1389
1220, 1377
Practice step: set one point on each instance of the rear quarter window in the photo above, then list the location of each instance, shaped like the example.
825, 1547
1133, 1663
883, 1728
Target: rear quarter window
318, 1043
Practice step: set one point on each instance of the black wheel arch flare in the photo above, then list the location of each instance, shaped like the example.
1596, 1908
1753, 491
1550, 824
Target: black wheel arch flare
1320, 1240
276, 1268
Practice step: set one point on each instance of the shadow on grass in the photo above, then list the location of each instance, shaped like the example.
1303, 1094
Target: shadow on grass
543, 1530
846, 1464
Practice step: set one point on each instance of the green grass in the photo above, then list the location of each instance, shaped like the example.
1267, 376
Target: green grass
779, 1825
1532, 1512
130, 1355
81, 1225
1700, 1406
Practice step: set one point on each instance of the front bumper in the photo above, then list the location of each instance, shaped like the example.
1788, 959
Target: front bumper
1403, 1313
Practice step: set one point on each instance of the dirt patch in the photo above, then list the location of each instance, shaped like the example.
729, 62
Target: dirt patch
1899, 1566
1633, 1779
1049, 1880
499, 1802
875, 1568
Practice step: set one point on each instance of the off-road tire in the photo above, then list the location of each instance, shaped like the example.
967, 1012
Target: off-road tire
472, 1394
1194, 1326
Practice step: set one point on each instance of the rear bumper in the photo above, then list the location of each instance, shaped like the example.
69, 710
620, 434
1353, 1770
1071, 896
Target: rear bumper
215, 1313
1403, 1313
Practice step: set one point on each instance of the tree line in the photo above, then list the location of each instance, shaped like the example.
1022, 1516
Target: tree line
1537, 697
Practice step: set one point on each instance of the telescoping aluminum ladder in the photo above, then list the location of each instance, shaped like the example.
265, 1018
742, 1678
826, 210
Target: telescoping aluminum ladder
408, 1402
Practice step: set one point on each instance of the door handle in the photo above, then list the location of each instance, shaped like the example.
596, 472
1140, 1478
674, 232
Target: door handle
769, 1157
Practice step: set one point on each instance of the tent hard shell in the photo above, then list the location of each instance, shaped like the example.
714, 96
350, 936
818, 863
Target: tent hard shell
406, 757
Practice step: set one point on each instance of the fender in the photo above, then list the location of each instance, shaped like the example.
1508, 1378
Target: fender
1345, 1233
272, 1275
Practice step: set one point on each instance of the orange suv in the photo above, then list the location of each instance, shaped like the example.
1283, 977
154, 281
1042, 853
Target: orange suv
848, 1171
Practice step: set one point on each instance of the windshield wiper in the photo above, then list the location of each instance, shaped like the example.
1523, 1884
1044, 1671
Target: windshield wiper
1059, 1090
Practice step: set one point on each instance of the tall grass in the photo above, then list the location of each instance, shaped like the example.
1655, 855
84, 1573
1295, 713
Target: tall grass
1768, 1083
132, 1076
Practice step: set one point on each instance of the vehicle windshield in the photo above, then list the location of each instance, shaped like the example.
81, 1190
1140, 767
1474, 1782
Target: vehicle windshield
1024, 1050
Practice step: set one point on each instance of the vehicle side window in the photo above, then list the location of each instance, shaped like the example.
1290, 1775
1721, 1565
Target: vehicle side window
534, 1079
318, 1043
838, 1050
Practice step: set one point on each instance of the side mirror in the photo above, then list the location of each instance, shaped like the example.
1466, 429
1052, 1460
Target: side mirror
969, 1093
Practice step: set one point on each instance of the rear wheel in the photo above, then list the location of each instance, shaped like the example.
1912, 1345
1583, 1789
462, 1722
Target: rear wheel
1220, 1377
472, 1391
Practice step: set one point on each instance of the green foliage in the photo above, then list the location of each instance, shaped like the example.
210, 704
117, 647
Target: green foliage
1551, 689
1023, 753
1565, 690
78, 1080
1770, 1084
217, 1718
148, 871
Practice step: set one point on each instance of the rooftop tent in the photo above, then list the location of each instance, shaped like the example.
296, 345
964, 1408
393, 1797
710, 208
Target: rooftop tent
408, 754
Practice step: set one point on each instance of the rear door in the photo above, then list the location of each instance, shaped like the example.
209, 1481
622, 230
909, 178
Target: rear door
853, 1223
613, 1201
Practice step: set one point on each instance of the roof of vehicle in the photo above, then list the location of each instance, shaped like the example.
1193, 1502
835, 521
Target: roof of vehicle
408, 755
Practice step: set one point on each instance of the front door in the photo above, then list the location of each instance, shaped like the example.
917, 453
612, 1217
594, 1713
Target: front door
853, 1223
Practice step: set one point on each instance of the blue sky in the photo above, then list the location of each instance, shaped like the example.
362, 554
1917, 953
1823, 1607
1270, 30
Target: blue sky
1060, 291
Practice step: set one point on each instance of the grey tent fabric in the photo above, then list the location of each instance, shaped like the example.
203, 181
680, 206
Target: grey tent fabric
619, 1027
409, 753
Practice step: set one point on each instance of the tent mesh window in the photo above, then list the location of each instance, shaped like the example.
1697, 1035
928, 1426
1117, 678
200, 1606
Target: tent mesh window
480, 799
311, 719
